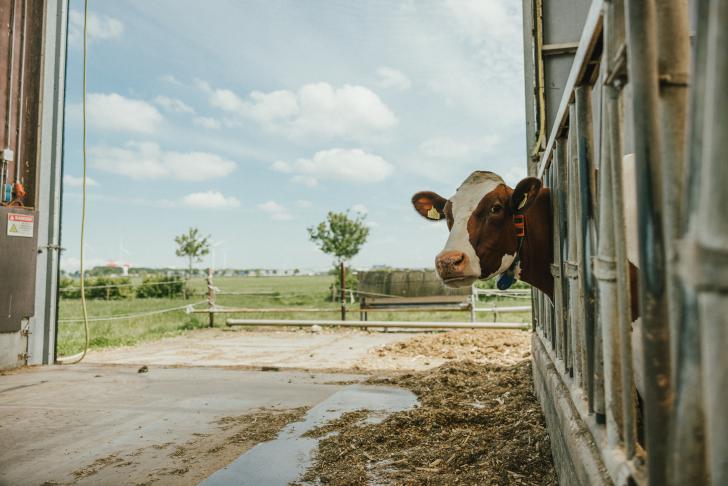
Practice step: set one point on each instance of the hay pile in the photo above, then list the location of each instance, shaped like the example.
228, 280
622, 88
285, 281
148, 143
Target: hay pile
476, 424
490, 347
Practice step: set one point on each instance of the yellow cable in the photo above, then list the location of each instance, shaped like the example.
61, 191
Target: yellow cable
76, 358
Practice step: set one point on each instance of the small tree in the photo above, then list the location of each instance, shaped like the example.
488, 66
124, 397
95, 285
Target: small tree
340, 236
193, 246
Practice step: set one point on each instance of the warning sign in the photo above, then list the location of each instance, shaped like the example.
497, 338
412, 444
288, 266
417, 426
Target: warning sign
20, 225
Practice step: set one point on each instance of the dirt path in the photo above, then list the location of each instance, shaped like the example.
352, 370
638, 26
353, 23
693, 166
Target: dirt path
328, 350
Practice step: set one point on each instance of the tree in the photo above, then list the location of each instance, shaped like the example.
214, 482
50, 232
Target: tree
340, 235
192, 246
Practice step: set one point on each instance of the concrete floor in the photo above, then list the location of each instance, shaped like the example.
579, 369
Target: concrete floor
287, 349
57, 420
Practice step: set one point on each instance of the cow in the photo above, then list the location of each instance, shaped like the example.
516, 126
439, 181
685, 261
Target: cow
484, 239
497, 231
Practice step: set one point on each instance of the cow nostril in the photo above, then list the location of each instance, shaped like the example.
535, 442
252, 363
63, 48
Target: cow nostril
457, 259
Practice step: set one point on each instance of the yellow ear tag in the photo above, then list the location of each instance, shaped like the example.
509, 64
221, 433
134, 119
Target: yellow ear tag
433, 213
523, 201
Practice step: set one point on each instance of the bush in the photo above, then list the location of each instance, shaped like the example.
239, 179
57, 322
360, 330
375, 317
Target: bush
69, 288
161, 287
107, 288
100, 288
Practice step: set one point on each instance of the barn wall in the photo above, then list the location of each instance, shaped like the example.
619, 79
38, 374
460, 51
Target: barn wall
31, 110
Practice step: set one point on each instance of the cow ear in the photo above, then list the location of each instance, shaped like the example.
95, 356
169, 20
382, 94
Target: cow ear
525, 194
430, 205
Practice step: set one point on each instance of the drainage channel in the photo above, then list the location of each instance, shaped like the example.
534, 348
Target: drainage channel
285, 458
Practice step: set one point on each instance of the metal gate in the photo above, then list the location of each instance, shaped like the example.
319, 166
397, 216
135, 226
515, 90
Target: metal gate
643, 90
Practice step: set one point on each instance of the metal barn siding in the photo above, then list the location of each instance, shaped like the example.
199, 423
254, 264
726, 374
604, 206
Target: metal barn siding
639, 402
33, 36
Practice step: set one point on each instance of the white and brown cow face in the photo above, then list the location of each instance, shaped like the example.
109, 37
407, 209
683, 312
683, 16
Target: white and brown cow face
482, 241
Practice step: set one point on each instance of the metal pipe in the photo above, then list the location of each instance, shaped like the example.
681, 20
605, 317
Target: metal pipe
572, 267
688, 464
388, 324
585, 154
248, 310
643, 79
710, 239
614, 38
11, 66
606, 276
19, 124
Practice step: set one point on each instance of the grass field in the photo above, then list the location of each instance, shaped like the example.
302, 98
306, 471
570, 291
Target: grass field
291, 292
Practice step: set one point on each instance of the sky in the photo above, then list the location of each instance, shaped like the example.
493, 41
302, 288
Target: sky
250, 120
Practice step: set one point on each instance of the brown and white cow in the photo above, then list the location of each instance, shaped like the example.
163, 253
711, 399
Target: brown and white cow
483, 241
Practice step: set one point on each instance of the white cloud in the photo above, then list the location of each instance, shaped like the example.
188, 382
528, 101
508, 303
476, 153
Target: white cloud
360, 208
309, 181
210, 200
146, 160
72, 181
118, 113
450, 148
170, 79
351, 165
303, 203
276, 211
317, 109
101, 27
207, 122
392, 78
173, 104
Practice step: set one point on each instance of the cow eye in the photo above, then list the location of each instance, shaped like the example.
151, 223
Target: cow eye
496, 208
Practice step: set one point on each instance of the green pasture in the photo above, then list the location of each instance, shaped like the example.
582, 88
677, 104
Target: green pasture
292, 292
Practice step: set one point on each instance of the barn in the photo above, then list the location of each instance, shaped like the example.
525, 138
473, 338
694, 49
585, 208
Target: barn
608, 84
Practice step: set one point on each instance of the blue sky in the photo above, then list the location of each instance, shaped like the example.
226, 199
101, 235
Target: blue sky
251, 119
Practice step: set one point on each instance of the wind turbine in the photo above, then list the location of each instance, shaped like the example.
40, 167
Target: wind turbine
213, 245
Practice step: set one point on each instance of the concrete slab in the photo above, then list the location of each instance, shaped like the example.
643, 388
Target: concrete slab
344, 349
55, 421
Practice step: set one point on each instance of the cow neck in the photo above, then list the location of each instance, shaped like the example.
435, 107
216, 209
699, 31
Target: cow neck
537, 247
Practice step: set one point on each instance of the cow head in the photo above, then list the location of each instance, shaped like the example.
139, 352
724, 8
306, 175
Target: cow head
482, 242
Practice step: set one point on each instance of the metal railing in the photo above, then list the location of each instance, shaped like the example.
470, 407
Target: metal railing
631, 98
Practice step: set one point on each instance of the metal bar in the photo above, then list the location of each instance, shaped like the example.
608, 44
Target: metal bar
711, 239
557, 235
606, 275
388, 324
687, 437
584, 149
19, 123
644, 83
589, 37
576, 296
614, 40
43, 325
248, 310
557, 49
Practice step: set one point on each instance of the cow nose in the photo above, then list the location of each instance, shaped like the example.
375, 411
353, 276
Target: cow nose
450, 263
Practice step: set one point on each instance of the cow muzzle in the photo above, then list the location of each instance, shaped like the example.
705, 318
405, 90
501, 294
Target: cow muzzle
452, 267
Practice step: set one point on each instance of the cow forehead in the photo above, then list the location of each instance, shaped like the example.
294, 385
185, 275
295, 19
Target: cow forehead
472, 190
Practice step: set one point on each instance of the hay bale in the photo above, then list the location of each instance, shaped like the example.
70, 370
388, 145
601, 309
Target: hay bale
406, 283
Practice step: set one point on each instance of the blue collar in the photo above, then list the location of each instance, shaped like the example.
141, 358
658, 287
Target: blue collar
508, 278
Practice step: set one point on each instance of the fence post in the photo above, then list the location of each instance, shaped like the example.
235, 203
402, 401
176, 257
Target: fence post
342, 275
210, 299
